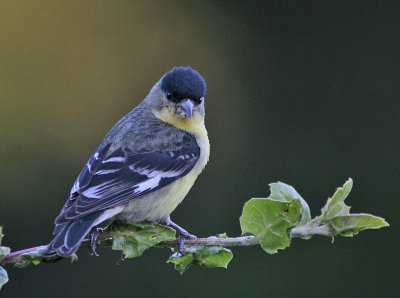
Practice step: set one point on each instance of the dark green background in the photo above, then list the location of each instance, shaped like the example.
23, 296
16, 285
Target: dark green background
302, 92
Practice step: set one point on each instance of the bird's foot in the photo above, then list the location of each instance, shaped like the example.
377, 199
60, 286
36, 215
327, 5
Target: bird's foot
181, 231
182, 234
93, 234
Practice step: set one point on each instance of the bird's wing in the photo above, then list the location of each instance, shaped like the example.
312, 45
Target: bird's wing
109, 180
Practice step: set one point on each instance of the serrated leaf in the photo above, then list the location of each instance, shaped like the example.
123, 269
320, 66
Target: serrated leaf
3, 277
335, 206
182, 262
350, 225
134, 239
270, 220
285, 193
209, 256
213, 257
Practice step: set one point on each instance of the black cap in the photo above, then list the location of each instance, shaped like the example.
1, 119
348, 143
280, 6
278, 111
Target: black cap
183, 82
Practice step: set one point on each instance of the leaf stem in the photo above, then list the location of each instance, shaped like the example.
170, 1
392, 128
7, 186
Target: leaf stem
313, 227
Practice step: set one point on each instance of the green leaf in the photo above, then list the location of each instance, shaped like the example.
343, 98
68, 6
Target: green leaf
223, 235
182, 262
285, 193
335, 206
4, 251
209, 256
350, 225
337, 215
213, 257
136, 238
3, 277
270, 220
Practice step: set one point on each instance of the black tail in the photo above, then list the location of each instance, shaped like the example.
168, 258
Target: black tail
71, 235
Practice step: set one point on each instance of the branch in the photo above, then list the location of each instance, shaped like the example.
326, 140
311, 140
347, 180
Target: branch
213, 241
15, 257
105, 240
270, 222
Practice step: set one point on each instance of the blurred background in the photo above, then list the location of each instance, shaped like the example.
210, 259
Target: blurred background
302, 92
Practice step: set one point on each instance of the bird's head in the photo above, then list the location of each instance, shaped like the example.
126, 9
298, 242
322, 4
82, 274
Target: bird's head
183, 89
179, 95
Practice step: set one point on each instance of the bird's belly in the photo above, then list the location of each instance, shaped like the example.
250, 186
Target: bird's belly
158, 205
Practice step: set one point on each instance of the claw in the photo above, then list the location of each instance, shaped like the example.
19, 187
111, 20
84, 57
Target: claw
93, 234
182, 234
181, 231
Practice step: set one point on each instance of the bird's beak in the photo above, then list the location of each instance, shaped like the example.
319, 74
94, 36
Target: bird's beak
187, 107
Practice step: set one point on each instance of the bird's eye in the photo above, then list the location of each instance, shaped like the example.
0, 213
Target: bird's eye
169, 95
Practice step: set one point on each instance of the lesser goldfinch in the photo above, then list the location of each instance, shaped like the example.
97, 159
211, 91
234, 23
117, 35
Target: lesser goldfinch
144, 167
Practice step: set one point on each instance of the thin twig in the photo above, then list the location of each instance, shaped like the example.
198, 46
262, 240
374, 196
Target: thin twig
13, 257
104, 239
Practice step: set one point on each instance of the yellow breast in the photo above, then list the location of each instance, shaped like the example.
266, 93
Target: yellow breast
195, 126
159, 204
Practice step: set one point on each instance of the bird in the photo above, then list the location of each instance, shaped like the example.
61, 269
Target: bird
144, 167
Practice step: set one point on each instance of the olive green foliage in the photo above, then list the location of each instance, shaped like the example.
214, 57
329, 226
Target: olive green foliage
209, 256
134, 239
270, 221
